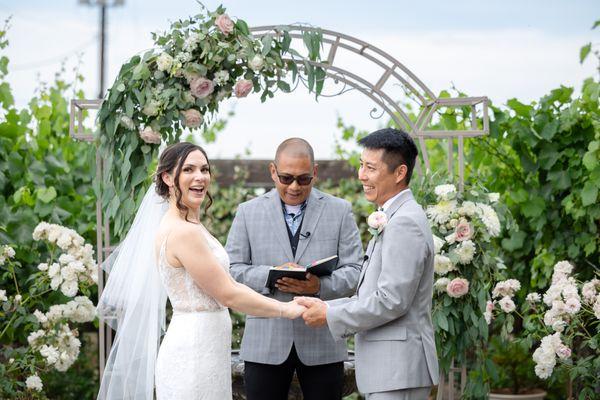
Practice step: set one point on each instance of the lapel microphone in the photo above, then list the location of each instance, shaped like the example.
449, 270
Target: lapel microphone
305, 235
365, 258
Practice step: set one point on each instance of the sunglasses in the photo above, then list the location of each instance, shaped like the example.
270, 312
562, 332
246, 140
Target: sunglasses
302, 180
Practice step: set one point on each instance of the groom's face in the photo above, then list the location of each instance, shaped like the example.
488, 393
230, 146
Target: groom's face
379, 183
296, 167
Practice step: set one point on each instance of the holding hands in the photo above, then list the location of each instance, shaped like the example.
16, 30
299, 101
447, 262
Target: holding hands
316, 311
311, 309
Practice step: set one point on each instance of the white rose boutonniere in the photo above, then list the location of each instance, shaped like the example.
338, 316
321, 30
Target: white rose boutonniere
377, 221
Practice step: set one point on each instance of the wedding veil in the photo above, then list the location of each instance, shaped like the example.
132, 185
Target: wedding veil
133, 303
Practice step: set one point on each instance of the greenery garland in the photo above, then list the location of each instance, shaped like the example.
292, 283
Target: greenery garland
179, 84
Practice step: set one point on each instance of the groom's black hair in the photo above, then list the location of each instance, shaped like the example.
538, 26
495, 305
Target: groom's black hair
398, 146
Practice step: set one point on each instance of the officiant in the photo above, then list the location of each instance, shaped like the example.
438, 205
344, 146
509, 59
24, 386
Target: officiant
293, 224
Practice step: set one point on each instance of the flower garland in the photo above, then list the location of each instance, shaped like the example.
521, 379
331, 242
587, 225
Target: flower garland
179, 85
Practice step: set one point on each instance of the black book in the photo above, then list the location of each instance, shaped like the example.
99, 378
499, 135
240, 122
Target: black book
321, 267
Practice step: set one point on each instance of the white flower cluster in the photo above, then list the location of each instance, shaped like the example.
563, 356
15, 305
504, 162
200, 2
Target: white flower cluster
59, 346
489, 218
545, 355
76, 265
562, 296
34, 382
81, 309
445, 192
505, 291
591, 295
6, 252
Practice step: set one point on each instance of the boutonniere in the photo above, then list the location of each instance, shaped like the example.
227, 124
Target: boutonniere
377, 221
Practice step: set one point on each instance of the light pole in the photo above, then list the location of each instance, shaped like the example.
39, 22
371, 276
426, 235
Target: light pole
103, 4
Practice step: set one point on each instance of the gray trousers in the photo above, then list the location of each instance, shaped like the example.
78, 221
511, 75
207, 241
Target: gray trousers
403, 394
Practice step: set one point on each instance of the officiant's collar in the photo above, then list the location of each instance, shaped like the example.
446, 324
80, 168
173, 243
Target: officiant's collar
294, 210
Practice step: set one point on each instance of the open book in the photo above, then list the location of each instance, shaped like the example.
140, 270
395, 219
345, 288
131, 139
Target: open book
321, 267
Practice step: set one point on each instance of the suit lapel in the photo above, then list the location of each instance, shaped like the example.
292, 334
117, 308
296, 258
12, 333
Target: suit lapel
275, 212
366, 262
313, 211
395, 206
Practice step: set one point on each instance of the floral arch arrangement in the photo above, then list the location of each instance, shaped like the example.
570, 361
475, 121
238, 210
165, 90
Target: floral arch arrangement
179, 84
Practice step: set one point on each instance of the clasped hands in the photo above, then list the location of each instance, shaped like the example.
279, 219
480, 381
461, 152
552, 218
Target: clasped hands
311, 309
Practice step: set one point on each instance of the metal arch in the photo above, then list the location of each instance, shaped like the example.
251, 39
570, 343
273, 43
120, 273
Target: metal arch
429, 103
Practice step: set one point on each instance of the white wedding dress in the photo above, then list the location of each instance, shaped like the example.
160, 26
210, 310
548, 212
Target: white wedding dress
194, 359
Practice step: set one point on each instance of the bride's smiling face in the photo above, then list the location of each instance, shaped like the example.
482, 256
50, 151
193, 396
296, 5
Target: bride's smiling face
194, 180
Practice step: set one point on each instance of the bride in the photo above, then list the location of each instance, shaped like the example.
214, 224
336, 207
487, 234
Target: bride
168, 252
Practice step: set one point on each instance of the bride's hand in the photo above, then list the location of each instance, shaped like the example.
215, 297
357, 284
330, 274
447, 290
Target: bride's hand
292, 310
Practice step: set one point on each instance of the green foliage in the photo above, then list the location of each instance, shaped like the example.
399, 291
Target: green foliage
155, 92
545, 159
44, 175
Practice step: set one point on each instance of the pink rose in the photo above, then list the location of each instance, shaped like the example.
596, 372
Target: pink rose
192, 118
377, 220
463, 231
224, 23
150, 136
563, 351
201, 87
457, 287
242, 88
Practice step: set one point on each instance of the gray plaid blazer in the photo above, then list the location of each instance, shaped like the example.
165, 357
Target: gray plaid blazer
258, 240
391, 312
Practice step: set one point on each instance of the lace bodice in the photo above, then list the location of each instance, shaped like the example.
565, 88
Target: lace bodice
184, 294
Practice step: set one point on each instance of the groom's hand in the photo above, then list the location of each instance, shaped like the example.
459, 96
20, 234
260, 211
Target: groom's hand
310, 286
316, 312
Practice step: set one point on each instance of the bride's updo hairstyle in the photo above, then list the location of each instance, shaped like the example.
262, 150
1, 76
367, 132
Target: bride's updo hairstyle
172, 159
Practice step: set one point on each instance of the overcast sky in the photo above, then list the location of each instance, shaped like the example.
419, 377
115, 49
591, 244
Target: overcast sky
501, 49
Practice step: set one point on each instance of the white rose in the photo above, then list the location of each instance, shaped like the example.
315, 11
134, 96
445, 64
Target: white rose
40, 316
221, 77
438, 243
564, 267
442, 265
164, 62
69, 288
256, 63
55, 282
43, 267
34, 382
18, 298
572, 306
441, 284
3, 295
533, 297
445, 192
506, 304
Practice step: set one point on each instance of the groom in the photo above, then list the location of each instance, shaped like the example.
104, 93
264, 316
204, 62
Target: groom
391, 311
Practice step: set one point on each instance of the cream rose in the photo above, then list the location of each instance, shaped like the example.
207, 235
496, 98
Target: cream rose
149, 136
377, 220
242, 88
201, 87
192, 118
225, 24
457, 287
463, 231
256, 63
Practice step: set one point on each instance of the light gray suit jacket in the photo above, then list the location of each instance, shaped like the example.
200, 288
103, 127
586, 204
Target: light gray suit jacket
258, 240
391, 312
